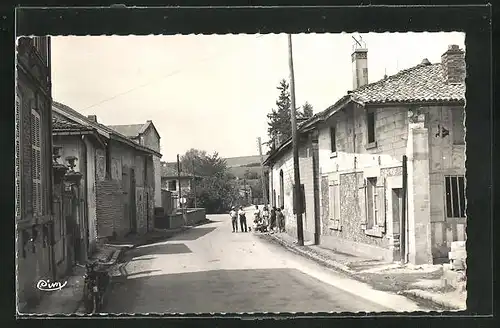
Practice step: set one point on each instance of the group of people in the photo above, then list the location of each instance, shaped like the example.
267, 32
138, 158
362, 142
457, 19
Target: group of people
264, 221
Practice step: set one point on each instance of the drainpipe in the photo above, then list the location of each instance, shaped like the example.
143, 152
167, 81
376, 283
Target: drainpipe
317, 214
85, 199
402, 234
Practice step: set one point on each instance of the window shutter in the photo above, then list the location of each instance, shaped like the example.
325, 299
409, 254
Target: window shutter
36, 162
337, 203
18, 156
380, 203
331, 207
362, 200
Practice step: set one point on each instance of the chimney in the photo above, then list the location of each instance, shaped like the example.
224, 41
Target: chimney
453, 63
359, 67
93, 118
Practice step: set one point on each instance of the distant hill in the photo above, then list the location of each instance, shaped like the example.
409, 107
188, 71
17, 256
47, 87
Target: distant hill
239, 165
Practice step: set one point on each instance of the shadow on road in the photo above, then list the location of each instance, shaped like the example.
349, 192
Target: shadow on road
159, 249
192, 234
256, 290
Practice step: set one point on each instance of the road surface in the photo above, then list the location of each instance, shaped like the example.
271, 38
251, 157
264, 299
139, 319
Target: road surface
210, 269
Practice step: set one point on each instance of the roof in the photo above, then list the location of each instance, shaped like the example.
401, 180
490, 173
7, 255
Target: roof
169, 170
130, 131
60, 122
421, 83
424, 83
72, 115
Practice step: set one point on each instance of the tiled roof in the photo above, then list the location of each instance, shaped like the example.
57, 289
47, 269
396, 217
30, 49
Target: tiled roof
170, 170
421, 83
131, 130
60, 122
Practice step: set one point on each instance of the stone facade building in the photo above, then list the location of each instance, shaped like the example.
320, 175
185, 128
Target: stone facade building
170, 180
33, 168
118, 174
147, 136
352, 165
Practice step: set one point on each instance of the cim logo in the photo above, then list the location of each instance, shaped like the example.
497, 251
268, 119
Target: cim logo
48, 286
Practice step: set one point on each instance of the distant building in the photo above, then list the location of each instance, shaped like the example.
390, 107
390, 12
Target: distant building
170, 180
145, 135
351, 164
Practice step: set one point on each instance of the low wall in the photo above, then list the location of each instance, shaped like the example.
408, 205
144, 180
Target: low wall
176, 220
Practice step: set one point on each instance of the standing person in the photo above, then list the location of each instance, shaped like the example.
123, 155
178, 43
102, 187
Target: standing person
243, 219
281, 220
234, 218
265, 218
256, 214
273, 218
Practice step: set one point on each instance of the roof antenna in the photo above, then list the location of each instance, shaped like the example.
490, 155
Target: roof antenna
358, 43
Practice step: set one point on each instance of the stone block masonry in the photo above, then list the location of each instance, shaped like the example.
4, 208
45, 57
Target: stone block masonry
110, 210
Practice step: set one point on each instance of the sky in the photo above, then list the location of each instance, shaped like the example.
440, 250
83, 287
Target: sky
213, 92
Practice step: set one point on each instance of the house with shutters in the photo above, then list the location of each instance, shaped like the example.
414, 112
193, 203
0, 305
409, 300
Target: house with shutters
146, 135
117, 175
33, 168
382, 170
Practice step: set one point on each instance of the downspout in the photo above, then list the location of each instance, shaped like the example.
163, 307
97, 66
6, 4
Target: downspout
316, 191
403, 225
85, 200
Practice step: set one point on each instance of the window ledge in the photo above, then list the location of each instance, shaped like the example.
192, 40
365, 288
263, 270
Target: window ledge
333, 154
335, 225
374, 232
371, 145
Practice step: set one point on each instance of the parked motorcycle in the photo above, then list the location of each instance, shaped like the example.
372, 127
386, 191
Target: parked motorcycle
96, 282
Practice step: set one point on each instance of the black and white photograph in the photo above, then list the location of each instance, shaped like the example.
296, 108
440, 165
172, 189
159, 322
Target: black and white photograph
241, 173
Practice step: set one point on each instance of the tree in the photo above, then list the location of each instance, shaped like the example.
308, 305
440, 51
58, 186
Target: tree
307, 110
279, 118
214, 188
249, 175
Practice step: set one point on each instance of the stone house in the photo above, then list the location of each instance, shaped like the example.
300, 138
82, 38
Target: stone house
170, 180
118, 174
352, 162
33, 169
146, 135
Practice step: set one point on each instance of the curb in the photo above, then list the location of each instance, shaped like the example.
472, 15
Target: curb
422, 294
330, 263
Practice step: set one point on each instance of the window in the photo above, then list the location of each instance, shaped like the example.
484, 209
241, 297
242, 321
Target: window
333, 139
455, 196
172, 185
302, 199
458, 127
371, 202
36, 161
370, 126
18, 155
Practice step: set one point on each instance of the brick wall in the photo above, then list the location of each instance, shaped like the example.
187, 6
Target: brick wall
110, 210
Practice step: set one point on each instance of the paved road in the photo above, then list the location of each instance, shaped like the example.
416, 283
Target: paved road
210, 269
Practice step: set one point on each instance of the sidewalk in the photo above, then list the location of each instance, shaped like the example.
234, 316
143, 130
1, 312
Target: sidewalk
68, 300
423, 282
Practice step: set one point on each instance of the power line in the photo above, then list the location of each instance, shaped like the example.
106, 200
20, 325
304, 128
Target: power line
159, 79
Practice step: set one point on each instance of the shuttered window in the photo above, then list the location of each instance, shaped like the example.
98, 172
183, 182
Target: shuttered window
36, 161
375, 203
18, 155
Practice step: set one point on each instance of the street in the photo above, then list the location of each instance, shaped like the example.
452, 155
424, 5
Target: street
210, 269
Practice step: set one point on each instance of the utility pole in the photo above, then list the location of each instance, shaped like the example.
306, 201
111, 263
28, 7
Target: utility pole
264, 194
194, 186
295, 145
179, 186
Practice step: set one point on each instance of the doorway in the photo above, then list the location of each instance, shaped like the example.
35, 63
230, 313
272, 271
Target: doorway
397, 216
